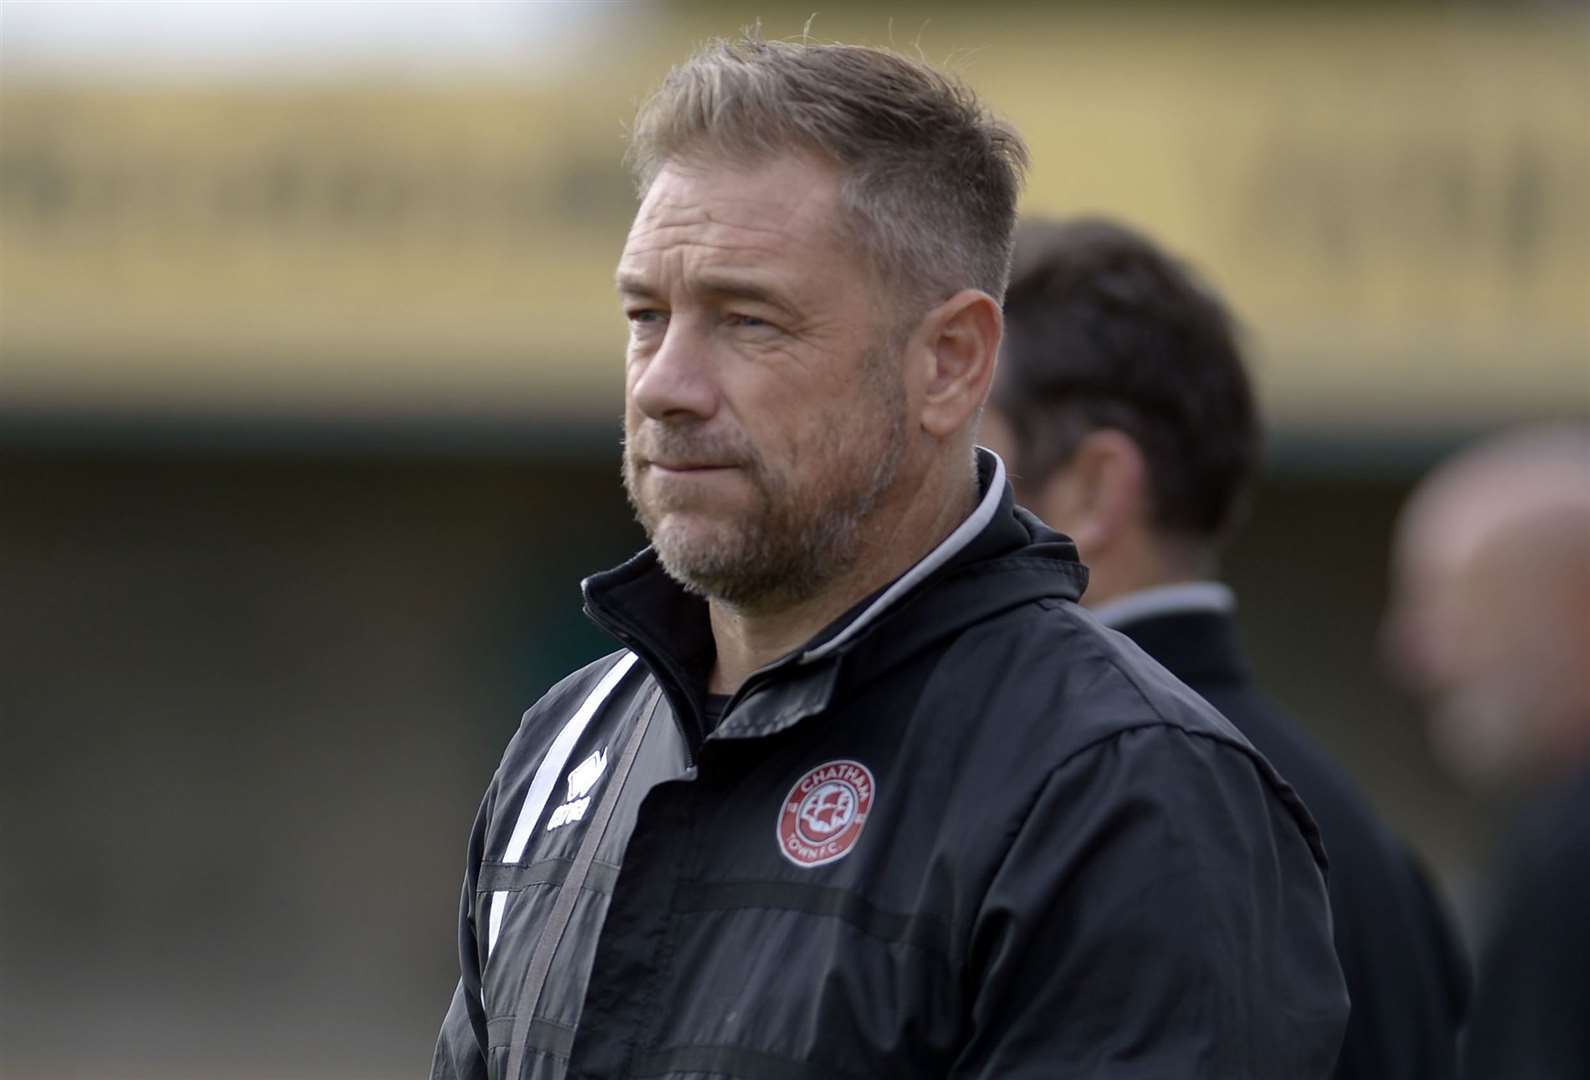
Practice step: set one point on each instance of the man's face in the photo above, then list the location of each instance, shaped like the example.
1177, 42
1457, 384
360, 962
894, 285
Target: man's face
1488, 628
1441, 637
765, 413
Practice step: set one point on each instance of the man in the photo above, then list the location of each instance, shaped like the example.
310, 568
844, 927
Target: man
1125, 413
1490, 626
866, 793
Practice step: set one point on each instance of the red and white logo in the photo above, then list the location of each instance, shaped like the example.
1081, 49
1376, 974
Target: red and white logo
824, 813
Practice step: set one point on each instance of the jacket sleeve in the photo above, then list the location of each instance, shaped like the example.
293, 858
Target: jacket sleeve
458, 1055
1159, 913
461, 1045
1407, 975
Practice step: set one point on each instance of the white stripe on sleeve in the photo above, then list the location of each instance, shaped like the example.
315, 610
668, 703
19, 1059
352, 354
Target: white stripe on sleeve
546, 777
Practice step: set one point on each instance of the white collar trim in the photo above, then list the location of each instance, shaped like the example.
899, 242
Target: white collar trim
1167, 600
953, 543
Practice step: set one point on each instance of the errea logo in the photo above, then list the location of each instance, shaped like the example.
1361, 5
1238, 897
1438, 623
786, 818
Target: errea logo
582, 778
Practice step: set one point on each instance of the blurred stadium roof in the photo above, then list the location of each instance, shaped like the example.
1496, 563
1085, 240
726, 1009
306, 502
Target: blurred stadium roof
120, 41
389, 218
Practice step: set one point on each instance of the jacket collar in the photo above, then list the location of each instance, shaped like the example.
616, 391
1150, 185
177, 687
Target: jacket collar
1196, 646
1175, 599
993, 486
669, 629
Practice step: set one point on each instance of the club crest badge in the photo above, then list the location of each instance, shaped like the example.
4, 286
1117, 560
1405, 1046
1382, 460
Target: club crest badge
824, 813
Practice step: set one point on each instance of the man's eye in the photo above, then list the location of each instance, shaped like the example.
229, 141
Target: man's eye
750, 321
644, 316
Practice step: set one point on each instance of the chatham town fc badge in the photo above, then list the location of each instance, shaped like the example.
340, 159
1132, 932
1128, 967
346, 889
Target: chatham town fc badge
824, 813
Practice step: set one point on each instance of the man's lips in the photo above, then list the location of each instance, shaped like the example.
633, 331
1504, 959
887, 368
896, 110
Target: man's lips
691, 466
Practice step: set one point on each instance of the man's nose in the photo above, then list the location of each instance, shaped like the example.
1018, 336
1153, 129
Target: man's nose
677, 380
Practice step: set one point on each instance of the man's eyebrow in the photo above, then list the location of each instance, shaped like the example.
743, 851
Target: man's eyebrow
740, 289
631, 283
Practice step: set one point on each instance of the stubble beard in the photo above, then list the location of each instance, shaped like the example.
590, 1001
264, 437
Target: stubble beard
796, 538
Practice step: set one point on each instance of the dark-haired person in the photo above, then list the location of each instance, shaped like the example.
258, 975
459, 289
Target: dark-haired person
1124, 412
835, 809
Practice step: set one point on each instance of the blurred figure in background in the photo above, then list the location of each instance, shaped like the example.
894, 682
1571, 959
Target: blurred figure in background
1126, 415
1490, 627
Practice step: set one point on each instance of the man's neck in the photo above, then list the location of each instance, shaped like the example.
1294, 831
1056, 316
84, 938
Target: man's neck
1139, 561
892, 541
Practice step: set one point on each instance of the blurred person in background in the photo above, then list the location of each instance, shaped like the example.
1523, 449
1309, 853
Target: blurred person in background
1490, 627
1125, 413
865, 793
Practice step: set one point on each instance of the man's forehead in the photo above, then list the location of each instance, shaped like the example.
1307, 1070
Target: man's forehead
1462, 508
727, 213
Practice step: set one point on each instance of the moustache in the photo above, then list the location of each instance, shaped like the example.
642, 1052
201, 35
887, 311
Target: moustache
673, 445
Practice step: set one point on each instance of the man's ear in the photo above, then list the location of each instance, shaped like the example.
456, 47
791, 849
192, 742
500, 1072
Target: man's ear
1100, 495
959, 345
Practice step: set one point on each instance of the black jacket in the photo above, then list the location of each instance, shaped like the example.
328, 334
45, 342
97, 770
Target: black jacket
1532, 1005
1406, 974
966, 831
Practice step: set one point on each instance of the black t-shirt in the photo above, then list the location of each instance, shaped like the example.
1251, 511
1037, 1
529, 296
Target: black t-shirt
714, 709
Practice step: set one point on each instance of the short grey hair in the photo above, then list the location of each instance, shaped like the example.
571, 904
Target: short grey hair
929, 177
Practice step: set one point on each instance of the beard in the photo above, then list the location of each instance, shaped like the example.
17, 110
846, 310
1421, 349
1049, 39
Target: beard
802, 528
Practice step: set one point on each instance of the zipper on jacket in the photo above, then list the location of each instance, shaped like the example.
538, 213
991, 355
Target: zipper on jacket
690, 724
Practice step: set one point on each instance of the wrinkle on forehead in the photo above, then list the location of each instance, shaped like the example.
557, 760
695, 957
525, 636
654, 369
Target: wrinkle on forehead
720, 213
